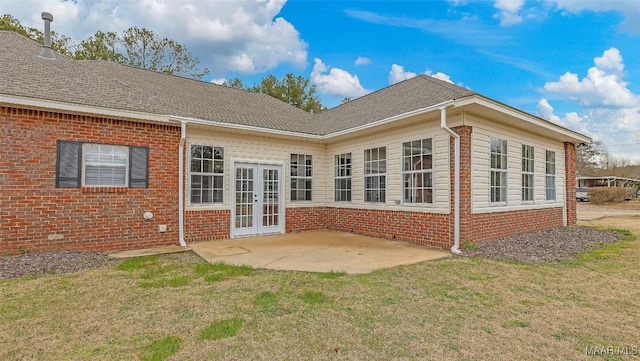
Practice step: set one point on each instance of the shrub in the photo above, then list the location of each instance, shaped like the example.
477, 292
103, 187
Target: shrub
602, 195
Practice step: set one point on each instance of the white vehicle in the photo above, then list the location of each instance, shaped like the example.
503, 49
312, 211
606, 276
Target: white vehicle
582, 194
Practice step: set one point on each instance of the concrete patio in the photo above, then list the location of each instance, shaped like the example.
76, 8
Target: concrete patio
322, 251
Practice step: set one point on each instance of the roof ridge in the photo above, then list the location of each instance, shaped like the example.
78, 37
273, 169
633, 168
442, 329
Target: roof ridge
446, 84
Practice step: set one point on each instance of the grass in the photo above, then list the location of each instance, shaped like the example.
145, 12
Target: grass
179, 307
160, 349
222, 329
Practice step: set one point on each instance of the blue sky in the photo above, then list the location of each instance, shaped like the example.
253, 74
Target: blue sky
574, 62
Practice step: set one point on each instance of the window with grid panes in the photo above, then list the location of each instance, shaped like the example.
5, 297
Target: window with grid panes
527, 172
375, 175
301, 177
342, 177
498, 181
206, 174
417, 171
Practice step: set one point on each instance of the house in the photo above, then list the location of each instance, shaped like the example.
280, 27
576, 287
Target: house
99, 156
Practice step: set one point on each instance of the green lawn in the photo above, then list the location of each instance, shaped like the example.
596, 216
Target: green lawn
177, 307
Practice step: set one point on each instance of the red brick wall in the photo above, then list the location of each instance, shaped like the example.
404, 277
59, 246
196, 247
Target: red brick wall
570, 185
488, 226
302, 219
466, 226
206, 225
415, 227
33, 209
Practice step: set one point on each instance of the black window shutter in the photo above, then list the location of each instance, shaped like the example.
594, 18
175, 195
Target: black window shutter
68, 164
139, 167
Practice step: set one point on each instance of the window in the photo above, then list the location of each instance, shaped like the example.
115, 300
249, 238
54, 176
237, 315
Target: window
101, 165
206, 172
550, 179
375, 179
498, 185
301, 177
104, 165
417, 171
527, 172
342, 177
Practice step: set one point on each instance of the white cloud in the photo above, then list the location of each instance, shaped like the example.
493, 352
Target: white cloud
629, 8
244, 36
362, 61
602, 87
219, 81
508, 13
439, 75
614, 127
397, 74
337, 82
611, 112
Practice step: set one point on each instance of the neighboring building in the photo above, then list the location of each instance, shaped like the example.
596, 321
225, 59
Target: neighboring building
606, 181
99, 156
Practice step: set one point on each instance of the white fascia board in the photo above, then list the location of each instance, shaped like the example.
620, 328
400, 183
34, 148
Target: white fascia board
431, 108
85, 109
513, 112
250, 128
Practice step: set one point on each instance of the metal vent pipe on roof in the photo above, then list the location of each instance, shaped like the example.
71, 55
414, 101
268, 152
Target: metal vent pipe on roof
46, 51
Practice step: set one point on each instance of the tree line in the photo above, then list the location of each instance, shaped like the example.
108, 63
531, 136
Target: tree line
595, 160
142, 48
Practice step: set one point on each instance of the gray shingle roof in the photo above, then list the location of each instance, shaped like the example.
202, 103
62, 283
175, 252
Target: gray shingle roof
109, 85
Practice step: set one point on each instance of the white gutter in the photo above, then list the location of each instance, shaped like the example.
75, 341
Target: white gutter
456, 175
329, 136
183, 138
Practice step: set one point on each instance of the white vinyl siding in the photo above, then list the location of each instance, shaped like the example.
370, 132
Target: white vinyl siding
393, 139
528, 171
250, 148
550, 175
483, 131
417, 167
498, 176
342, 177
375, 175
105, 165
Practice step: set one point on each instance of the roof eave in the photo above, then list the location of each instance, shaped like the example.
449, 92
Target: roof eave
562, 132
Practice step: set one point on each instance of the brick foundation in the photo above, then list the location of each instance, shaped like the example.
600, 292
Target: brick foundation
421, 228
207, 225
302, 219
37, 216
488, 226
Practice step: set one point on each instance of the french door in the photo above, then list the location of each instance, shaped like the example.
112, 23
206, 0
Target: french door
257, 200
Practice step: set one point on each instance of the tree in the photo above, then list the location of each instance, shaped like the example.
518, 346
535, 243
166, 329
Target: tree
295, 90
100, 46
588, 157
136, 47
141, 48
60, 43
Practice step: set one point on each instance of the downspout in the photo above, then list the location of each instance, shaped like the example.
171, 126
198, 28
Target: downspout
456, 182
183, 138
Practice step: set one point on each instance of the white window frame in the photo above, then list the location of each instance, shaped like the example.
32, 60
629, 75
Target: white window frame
301, 171
498, 171
217, 172
343, 172
103, 162
527, 193
550, 193
413, 176
375, 175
